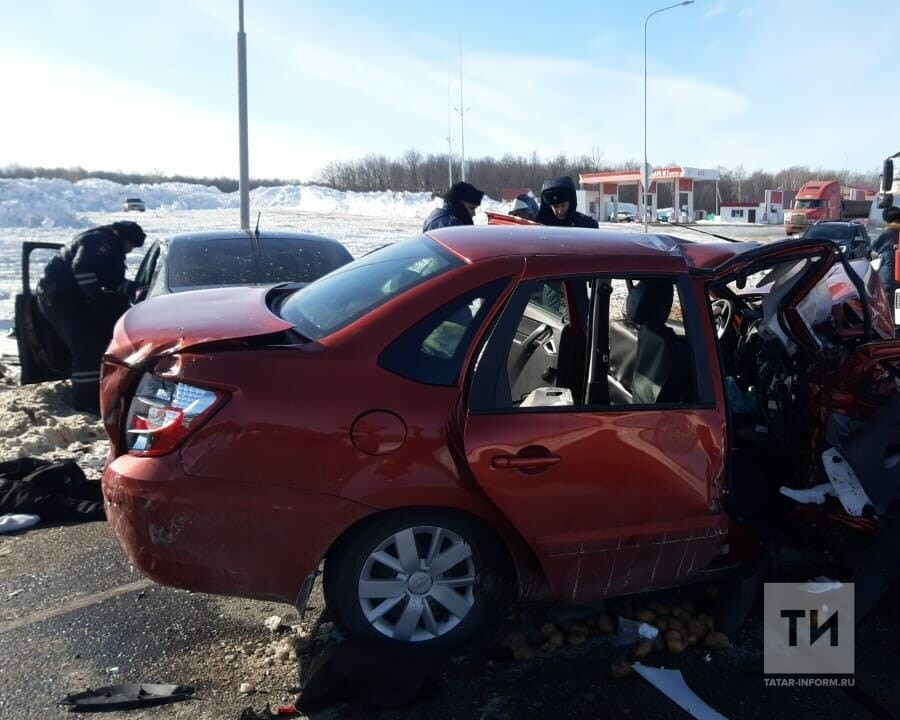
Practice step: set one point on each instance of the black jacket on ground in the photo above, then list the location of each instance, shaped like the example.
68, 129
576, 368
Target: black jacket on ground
452, 213
563, 186
57, 491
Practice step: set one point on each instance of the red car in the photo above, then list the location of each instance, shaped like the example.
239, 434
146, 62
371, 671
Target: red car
586, 413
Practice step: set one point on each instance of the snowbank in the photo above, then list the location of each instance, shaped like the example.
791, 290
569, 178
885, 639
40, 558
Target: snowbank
37, 421
60, 203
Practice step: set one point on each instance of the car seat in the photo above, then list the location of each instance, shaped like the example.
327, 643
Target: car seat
662, 362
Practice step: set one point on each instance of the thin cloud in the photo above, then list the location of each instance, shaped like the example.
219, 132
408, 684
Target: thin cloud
717, 9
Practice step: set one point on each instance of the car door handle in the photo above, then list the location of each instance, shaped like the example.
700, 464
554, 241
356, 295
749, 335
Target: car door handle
517, 461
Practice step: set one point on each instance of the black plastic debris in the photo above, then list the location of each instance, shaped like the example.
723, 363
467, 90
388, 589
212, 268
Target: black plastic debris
126, 696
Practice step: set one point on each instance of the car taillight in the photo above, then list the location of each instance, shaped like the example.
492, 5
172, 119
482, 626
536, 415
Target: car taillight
164, 412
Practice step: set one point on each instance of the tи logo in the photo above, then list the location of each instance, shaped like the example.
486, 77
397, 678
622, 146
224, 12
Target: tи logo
816, 630
809, 629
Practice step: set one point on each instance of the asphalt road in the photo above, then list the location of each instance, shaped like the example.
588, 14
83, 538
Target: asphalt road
73, 615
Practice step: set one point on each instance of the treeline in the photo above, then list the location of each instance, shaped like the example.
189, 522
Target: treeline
416, 172
74, 174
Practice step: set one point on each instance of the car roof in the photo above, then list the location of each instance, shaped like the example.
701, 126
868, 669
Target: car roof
481, 242
205, 236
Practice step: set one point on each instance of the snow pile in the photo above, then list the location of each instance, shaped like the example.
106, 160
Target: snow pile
38, 203
37, 421
59, 203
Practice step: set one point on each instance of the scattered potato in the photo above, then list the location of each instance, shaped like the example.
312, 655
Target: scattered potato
644, 615
580, 629
516, 640
690, 639
663, 610
620, 668
662, 624
659, 643
577, 638
523, 653
548, 629
717, 641
677, 612
557, 639
605, 625
673, 635
642, 649
676, 647
697, 629
676, 624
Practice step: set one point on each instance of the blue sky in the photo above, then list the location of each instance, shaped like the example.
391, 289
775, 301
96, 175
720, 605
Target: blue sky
151, 85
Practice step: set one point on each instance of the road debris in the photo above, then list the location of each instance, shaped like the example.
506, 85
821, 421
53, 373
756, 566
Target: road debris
273, 623
671, 684
125, 696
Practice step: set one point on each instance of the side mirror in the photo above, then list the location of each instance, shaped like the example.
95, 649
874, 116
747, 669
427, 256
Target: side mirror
884, 201
887, 175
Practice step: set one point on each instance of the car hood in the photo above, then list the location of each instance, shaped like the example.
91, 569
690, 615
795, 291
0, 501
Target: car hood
171, 323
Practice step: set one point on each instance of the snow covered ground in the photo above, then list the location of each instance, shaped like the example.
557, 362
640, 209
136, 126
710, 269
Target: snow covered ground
36, 420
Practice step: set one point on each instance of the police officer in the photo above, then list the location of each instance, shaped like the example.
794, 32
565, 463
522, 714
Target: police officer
82, 294
524, 207
460, 203
558, 205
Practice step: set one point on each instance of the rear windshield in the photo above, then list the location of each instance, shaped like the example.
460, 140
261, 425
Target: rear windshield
830, 232
232, 261
344, 296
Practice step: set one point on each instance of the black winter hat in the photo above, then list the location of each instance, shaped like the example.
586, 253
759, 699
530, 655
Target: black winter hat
464, 192
891, 214
130, 231
558, 191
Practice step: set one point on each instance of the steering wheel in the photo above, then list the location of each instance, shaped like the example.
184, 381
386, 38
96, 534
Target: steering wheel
723, 311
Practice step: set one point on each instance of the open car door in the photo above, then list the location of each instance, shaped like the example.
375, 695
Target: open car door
42, 354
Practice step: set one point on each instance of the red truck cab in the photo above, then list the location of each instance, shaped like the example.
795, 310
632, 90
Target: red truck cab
816, 200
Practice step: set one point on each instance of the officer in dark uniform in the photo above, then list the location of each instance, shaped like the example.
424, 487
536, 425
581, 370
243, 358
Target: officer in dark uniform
82, 294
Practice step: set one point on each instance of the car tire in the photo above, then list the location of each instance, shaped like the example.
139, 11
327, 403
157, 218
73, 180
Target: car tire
455, 578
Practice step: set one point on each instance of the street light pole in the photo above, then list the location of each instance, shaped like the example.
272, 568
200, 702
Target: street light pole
462, 112
645, 175
449, 141
244, 181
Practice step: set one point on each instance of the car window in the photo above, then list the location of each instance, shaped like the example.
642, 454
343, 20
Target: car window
338, 299
549, 296
831, 232
630, 347
209, 262
147, 269
432, 351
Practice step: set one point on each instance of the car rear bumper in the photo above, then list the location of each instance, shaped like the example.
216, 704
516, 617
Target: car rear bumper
217, 536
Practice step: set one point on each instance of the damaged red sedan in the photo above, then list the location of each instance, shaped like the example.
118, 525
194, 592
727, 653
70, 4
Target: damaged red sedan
586, 414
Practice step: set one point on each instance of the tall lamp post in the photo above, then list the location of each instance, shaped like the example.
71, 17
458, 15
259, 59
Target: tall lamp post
645, 174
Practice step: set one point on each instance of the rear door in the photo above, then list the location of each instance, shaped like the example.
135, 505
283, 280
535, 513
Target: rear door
612, 498
42, 354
